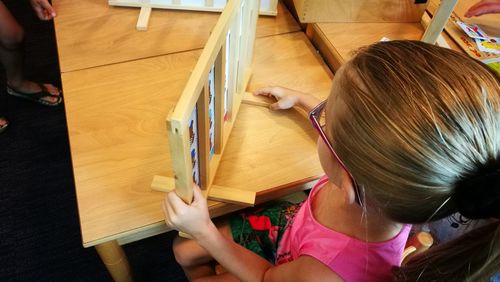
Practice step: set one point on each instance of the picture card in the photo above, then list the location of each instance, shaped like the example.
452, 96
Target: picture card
472, 30
493, 63
490, 45
193, 142
211, 110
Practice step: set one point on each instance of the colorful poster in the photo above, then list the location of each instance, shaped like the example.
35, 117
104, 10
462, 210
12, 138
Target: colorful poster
211, 110
193, 142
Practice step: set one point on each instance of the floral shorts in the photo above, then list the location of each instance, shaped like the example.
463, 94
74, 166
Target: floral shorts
260, 229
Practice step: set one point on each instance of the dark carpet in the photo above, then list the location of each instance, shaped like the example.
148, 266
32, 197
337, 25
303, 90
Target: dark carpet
39, 228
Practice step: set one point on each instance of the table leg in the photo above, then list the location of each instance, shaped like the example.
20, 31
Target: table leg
115, 260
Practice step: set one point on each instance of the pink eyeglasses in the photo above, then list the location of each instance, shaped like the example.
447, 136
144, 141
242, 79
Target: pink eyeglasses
318, 119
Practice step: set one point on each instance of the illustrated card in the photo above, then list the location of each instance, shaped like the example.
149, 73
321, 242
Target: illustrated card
490, 45
472, 30
193, 142
493, 63
211, 110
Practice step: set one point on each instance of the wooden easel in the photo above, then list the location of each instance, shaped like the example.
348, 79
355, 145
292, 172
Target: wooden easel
267, 7
199, 126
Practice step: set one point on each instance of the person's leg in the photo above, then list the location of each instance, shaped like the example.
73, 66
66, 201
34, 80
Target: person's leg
195, 260
11, 38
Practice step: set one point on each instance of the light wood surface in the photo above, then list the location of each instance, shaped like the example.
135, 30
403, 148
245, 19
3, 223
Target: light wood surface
116, 118
314, 11
338, 42
91, 33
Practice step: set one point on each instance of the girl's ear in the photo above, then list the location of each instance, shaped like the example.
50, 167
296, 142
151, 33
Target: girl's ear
348, 187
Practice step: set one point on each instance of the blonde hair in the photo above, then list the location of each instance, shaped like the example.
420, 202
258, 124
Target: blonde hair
418, 120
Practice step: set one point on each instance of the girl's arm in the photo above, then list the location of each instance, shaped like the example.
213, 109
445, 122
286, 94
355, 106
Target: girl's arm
248, 266
288, 98
244, 264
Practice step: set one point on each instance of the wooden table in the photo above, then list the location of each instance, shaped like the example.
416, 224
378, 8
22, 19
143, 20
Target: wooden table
90, 33
338, 41
117, 97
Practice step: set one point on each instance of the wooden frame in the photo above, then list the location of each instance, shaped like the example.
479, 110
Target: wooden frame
267, 7
224, 67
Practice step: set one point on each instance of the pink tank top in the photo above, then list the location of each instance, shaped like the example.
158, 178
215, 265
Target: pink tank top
350, 258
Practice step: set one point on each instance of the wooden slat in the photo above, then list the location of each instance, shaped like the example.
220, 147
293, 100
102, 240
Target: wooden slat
143, 20
220, 74
180, 151
203, 138
216, 192
440, 40
438, 21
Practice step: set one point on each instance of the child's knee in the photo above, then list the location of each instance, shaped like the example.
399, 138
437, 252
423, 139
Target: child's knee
13, 39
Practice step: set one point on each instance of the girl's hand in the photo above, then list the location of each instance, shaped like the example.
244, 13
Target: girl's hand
192, 219
286, 98
43, 9
483, 7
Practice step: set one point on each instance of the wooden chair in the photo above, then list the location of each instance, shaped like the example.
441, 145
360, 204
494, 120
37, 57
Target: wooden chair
417, 244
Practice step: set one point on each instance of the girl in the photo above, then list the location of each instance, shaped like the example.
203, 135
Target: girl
409, 134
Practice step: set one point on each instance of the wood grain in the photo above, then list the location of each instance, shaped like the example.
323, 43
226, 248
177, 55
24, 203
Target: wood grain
91, 33
314, 11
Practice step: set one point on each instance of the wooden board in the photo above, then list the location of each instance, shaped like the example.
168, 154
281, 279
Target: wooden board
313, 11
229, 49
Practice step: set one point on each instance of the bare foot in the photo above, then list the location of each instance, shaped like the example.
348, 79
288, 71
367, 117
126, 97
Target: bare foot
27, 86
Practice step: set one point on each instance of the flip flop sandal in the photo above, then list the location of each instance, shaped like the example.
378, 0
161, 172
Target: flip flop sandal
4, 127
36, 97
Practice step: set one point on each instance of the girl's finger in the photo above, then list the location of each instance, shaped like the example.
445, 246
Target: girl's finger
263, 91
274, 106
